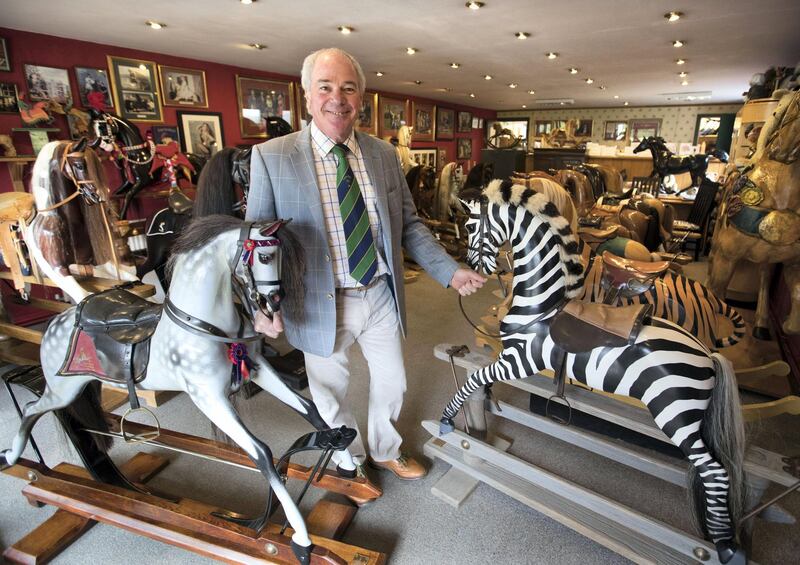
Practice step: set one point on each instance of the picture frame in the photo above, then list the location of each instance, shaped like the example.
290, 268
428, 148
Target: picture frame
425, 157
560, 124
423, 119
542, 127
464, 148
445, 123
134, 84
161, 133
183, 87
48, 83
441, 158
5, 60
302, 115
200, 132
518, 127
258, 98
368, 116
464, 122
639, 129
8, 98
583, 128
615, 130
392, 113
91, 79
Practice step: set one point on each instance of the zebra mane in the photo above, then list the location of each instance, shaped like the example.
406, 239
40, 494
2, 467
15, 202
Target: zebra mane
500, 192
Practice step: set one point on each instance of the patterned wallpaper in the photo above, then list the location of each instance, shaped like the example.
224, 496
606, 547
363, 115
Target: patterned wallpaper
677, 122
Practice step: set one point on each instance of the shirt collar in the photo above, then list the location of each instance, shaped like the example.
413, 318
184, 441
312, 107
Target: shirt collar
324, 143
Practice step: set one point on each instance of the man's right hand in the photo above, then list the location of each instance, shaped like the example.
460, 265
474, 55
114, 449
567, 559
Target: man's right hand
270, 327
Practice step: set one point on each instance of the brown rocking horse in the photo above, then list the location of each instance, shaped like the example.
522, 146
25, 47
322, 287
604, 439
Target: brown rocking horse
760, 218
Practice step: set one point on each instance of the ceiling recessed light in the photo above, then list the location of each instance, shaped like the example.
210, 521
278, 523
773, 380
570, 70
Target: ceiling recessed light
683, 74
417, 82
258, 46
410, 50
455, 65
531, 92
522, 35
624, 103
616, 96
589, 80
562, 103
513, 85
678, 43
345, 30
573, 71
154, 24
684, 82
247, 2
524, 106
474, 5
472, 95
673, 16
487, 77
602, 87
680, 61
551, 55
378, 73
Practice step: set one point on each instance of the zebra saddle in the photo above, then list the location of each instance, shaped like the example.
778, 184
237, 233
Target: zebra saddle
630, 277
583, 326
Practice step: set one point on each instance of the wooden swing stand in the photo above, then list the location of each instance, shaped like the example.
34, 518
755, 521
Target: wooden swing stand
182, 522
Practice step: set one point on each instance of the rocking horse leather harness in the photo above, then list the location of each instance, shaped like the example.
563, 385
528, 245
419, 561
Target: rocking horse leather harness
777, 227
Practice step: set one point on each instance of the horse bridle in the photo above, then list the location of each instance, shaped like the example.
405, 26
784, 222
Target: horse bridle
240, 174
106, 130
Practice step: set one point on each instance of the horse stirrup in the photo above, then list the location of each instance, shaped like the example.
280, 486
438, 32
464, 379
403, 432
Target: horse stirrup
139, 438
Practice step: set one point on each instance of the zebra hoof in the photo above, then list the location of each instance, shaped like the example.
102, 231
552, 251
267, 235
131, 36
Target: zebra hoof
760, 332
446, 426
4, 458
302, 552
729, 554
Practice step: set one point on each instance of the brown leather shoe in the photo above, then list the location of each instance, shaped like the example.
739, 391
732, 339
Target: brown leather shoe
404, 467
361, 473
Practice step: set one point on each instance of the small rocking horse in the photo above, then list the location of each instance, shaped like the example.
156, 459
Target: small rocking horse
665, 162
190, 344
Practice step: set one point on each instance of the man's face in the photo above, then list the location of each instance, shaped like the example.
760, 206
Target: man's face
334, 99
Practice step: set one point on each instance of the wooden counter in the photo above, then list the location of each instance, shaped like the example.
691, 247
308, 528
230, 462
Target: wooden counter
633, 165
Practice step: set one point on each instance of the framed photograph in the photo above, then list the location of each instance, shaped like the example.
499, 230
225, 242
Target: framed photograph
542, 127
425, 157
8, 98
504, 132
392, 113
134, 84
48, 83
303, 116
183, 87
464, 122
259, 98
93, 87
584, 128
464, 148
5, 61
368, 116
615, 131
165, 134
200, 132
644, 128
445, 123
423, 119
441, 159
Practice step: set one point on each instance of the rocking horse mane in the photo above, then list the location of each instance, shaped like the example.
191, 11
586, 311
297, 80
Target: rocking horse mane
505, 192
215, 194
201, 231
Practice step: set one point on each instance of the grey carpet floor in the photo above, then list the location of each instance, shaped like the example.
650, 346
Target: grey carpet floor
407, 523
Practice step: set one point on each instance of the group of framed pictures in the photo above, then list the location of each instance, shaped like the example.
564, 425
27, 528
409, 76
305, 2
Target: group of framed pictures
631, 131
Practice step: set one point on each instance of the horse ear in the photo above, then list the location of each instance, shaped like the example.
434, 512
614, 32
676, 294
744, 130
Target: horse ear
465, 205
270, 228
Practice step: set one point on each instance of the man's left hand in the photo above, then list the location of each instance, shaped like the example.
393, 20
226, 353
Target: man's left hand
466, 281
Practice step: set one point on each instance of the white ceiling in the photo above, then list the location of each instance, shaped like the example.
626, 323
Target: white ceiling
623, 44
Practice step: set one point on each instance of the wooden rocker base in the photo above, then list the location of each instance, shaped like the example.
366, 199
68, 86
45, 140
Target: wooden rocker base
184, 523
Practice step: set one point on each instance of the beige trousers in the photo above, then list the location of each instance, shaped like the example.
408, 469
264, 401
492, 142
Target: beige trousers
367, 317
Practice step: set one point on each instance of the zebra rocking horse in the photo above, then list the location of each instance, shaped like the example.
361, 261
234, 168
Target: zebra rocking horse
690, 391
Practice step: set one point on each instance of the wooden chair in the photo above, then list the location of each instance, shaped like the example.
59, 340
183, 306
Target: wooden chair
695, 229
645, 185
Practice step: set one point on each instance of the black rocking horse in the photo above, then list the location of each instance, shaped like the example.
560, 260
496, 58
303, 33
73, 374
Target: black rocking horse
665, 162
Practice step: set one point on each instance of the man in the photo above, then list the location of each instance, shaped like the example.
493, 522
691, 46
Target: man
354, 267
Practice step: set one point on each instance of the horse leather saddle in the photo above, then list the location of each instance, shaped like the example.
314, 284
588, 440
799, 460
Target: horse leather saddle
598, 235
16, 209
179, 203
583, 326
628, 276
111, 337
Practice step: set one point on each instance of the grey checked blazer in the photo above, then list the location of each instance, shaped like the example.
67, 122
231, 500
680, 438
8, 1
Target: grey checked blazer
283, 184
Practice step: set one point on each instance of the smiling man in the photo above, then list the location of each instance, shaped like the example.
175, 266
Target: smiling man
352, 209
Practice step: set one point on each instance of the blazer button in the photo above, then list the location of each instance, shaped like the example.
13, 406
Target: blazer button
328, 258
330, 296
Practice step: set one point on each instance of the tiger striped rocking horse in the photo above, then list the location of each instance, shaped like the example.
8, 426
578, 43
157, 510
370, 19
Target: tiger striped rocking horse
690, 391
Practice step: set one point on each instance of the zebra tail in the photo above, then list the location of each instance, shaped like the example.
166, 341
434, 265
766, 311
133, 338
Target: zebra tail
724, 434
739, 327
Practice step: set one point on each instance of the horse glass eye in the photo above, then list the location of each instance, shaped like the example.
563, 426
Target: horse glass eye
264, 259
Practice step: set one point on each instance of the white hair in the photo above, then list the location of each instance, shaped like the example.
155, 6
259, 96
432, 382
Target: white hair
311, 60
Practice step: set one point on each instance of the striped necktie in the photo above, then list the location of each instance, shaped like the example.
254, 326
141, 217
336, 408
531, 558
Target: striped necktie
361, 255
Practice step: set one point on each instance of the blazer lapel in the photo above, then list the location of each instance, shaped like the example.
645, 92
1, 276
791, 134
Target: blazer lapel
302, 159
372, 162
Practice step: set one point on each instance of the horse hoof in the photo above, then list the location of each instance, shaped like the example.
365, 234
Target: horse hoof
729, 554
446, 426
302, 552
346, 473
762, 333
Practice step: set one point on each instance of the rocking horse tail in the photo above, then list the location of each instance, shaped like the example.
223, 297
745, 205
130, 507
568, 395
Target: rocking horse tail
86, 412
724, 434
50, 237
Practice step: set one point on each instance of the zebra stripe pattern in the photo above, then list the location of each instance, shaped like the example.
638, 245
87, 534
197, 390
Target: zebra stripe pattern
672, 372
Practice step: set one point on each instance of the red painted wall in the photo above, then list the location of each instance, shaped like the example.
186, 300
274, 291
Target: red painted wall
32, 48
